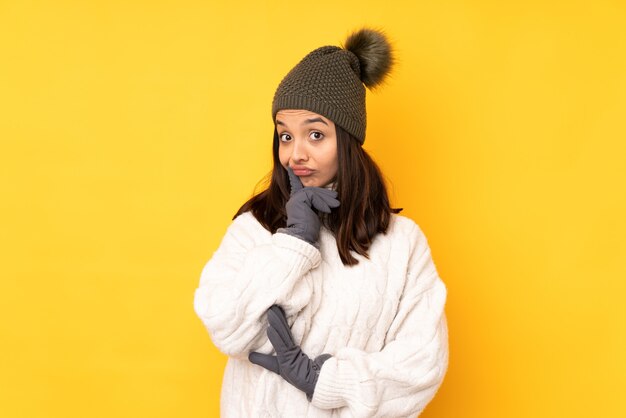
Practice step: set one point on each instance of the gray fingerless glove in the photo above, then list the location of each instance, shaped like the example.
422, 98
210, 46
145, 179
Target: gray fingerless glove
302, 221
290, 362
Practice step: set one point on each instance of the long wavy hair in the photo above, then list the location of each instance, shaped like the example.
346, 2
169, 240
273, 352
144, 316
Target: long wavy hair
364, 209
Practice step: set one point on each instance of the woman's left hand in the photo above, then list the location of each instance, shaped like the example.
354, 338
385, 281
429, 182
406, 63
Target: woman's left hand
290, 362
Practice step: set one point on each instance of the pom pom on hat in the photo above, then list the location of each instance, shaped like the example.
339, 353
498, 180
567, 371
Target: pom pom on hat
374, 53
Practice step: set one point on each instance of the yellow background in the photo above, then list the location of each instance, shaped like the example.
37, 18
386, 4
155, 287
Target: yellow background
131, 132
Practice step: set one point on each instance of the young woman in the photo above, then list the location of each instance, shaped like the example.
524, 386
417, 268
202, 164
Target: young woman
326, 300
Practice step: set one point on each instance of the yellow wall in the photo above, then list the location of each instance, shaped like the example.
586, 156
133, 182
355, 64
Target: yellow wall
132, 131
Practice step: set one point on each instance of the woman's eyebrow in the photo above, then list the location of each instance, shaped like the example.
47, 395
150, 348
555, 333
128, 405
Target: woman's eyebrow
305, 121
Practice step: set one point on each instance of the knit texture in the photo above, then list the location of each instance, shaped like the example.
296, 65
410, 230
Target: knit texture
383, 321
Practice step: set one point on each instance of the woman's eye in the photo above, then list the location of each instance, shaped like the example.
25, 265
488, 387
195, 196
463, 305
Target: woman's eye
321, 135
281, 136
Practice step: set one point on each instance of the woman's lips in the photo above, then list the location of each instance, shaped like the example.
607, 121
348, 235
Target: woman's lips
302, 173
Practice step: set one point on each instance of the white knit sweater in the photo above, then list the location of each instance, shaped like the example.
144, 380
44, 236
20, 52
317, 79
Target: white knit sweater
383, 321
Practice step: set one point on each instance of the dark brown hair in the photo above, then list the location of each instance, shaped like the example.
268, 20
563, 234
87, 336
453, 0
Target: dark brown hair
364, 209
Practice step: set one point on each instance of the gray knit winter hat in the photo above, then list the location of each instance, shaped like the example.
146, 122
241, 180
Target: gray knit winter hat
330, 80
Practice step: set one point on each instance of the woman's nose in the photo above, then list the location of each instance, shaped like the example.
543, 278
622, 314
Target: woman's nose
299, 151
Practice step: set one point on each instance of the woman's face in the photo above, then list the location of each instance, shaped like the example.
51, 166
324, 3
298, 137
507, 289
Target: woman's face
307, 141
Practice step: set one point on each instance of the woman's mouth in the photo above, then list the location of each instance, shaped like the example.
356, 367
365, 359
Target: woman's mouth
302, 173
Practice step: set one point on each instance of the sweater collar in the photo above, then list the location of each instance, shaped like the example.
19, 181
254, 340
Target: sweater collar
331, 185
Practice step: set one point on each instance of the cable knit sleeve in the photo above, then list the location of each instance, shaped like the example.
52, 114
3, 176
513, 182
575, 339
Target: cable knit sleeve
244, 278
404, 376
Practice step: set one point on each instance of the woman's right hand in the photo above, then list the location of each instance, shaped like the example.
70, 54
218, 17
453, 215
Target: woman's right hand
302, 221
